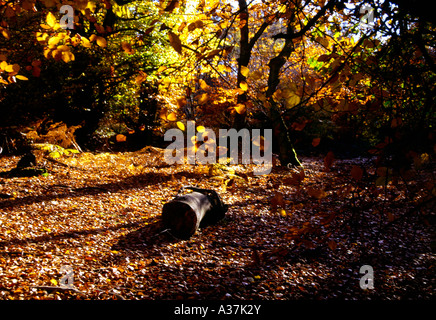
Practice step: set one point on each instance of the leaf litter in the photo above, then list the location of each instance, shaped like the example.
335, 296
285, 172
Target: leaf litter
287, 235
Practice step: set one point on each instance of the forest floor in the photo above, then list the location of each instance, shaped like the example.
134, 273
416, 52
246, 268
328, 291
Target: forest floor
93, 222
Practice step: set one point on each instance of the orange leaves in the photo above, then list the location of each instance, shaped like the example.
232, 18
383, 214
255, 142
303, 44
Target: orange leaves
316, 142
323, 41
299, 126
5, 32
324, 58
85, 42
172, 5
194, 25
295, 178
11, 68
141, 77
127, 47
277, 201
121, 138
101, 42
108, 205
316, 192
357, 173
328, 161
175, 42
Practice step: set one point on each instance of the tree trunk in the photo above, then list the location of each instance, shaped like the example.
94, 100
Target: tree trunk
287, 154
243, 61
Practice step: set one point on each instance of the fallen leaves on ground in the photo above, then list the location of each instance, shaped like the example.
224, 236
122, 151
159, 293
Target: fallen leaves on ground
287, 235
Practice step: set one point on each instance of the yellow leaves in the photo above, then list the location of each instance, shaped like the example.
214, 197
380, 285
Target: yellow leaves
6, 33
256, 75
101, 42
224, 24
161, 68
3, 65
54, 282
245, 71
203, 84
180, 125
53, 41
221, 68
20, 77
85, 42
175, 42
67, 56
172, 116
289, 96
11, 68
51, 22
292, 101
51, 19
63, 48
203, 98
41, 36
240, 108
244, 86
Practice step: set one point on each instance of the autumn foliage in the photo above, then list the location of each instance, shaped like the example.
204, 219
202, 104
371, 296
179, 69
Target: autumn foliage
346, 86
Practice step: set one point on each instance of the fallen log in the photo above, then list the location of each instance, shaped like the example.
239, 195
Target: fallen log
183, 215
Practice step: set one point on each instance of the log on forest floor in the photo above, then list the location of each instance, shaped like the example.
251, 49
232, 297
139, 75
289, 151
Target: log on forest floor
186, 213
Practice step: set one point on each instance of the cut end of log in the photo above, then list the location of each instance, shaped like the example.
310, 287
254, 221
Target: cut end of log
180, 218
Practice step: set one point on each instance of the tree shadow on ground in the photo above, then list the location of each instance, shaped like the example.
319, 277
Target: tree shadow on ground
95, 189
150, 235
69, 234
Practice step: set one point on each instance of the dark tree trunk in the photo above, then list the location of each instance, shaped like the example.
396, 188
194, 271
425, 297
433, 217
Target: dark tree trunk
287, 152
243, 60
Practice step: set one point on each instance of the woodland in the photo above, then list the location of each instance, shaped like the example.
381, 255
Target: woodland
89, 88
